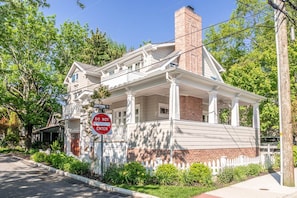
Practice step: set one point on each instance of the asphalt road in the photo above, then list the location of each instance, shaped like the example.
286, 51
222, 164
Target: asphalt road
22, 179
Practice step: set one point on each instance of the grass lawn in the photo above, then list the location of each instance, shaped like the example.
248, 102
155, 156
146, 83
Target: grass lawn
169, 191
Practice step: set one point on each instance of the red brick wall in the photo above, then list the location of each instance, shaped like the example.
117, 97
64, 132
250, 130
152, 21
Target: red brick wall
191, 108
189, 156
188, 39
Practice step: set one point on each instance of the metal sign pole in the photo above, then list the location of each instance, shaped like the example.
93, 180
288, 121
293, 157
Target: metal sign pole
101, 154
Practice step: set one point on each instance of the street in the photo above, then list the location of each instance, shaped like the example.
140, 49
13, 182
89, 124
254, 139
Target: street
23, 179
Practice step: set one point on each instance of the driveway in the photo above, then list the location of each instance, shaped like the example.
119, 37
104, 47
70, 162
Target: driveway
22, 179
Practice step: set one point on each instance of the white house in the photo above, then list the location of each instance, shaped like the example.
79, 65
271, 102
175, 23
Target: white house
165, 103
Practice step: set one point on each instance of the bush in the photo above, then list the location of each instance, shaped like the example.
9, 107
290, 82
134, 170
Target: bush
76, 167
112, 175
226, 176
56, 146
134, 173
167, 174
58, 160
254, 169
39, 157
199, 174
240, 173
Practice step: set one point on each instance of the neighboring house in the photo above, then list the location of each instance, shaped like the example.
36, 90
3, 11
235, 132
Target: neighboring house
54, 130
165, 103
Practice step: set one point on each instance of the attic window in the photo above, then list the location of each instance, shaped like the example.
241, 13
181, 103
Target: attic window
74, 77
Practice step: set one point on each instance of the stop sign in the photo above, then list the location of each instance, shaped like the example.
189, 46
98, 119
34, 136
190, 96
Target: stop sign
101, 123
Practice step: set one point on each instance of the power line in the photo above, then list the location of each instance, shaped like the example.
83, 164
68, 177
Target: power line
150, 65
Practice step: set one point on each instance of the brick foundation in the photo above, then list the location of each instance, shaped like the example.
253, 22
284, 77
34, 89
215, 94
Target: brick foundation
189, 156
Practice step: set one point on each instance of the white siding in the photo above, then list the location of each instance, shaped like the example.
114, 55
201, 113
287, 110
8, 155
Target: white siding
149, 135
189, 135
195, 135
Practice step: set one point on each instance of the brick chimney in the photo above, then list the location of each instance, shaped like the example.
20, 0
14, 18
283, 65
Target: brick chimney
188, 39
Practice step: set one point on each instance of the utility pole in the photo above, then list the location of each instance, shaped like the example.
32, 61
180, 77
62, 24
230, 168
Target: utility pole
284, 95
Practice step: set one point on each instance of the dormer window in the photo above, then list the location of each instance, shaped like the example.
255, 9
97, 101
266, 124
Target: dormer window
74, 77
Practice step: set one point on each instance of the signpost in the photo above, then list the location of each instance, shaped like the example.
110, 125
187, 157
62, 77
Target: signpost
101, 124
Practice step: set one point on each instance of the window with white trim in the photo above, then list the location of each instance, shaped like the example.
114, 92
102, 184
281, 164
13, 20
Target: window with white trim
74, 77
120, 115
163, 110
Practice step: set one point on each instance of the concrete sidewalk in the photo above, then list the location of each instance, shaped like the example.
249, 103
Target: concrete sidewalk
259, 187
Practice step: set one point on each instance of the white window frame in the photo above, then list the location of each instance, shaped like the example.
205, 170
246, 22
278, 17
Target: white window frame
121, 120
163, 106
74, 77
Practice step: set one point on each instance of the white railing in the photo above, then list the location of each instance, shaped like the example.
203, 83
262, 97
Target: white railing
71, 111
216, 166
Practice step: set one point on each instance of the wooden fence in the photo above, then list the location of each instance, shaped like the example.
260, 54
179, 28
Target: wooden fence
216, 165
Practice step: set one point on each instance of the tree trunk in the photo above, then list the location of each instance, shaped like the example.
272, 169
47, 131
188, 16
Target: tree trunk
28, 140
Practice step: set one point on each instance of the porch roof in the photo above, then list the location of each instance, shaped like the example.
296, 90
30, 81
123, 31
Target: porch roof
190, 84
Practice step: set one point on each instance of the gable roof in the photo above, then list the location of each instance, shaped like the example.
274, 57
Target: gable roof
85, 68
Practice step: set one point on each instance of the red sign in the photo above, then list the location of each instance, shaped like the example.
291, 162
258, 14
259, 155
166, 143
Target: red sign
101, 123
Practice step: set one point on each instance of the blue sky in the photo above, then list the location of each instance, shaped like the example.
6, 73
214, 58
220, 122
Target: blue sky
130, 22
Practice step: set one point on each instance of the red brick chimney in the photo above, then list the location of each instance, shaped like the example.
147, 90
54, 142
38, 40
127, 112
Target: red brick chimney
188, 39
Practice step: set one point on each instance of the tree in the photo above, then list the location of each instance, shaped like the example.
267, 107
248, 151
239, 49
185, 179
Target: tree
71, 41
28, 82
100, 50
245, 46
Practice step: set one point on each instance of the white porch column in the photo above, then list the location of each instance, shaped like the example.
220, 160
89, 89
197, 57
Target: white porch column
235, 112
256, 116
213, 107
174, 104
130, 116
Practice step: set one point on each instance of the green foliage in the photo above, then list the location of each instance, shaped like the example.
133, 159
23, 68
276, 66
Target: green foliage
112, 175
76, 167
240, 173
39, 157
11, 140
167, 174
226, 176
58, 160
199, 174
56, 146
253, 169
131, 173
134, 173
62, 162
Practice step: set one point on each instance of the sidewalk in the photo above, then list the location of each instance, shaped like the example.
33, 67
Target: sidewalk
259, 187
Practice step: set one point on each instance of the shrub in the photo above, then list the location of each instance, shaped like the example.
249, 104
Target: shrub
76, 167
58, 160
226, 176
254, 169
56, 146
199, 174
39, 157
134, 173
167, 174
240, 173
112, 174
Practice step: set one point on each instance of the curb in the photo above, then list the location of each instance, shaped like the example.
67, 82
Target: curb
91, 182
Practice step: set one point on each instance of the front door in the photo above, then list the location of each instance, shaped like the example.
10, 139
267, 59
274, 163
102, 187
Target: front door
75, 144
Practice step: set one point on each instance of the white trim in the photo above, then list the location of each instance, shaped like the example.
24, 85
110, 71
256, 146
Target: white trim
165, 107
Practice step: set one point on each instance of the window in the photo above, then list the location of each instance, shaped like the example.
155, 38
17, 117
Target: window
163, 110
120, 115
137, 113
74, 77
